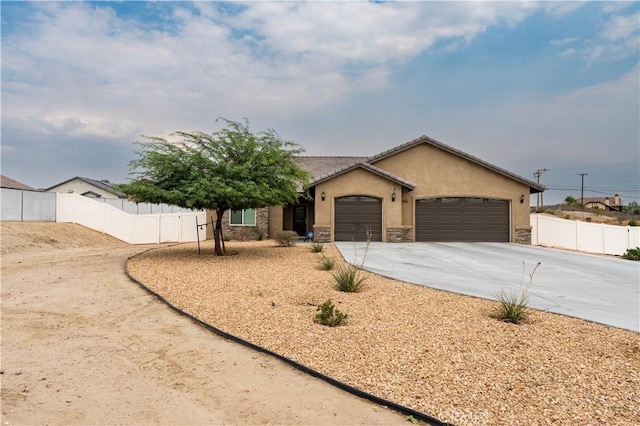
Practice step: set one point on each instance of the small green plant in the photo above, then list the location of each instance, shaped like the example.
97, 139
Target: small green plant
632, 223
327, 263
411, 419
286, 238
260, 236
632, 254
316, 248
513, 306
329, 315
348, 278
226, 238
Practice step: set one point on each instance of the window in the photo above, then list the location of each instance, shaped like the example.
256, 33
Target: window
243, 217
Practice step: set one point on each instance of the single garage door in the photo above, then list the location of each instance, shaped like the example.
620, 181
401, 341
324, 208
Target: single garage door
462, 219
355, 215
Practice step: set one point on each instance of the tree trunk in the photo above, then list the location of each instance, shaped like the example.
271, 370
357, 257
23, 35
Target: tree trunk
217, 233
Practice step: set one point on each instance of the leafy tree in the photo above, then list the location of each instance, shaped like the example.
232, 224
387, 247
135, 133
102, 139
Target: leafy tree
230, 169
571, 200
632, 208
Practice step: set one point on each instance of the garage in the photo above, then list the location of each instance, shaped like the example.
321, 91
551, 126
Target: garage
462, 219
355, 215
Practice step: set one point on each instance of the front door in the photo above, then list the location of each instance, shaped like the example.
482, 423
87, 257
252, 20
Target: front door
300, 220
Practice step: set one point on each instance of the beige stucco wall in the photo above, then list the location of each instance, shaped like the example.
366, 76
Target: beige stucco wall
275, 220
80, 187
437, 173
358, 182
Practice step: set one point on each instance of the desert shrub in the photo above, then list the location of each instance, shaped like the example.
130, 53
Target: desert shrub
632, 254
316, 248
326, 263
286, 238
348, 278
329, 315
513, 306
588, 219
632, 223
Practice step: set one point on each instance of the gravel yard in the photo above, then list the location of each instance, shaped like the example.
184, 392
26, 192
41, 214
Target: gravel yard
436, 352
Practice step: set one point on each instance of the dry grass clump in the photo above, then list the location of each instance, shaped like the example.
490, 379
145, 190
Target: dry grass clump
437, 352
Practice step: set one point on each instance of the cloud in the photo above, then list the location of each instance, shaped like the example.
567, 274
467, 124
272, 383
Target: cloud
330, 74
598, 124
112, 74
619, 38
568, 52
564, 41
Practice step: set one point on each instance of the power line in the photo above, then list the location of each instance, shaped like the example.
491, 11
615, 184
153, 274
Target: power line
634, 163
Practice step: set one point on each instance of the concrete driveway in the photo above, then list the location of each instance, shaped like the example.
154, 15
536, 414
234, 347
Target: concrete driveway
596, 288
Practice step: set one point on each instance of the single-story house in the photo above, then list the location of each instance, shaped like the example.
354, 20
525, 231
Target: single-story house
422, 190
7, 182
87, 187
610, 204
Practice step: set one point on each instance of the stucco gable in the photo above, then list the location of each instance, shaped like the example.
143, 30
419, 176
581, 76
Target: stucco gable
369, 167
534, 187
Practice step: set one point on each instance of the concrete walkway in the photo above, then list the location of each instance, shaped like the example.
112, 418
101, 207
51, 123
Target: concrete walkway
596, 288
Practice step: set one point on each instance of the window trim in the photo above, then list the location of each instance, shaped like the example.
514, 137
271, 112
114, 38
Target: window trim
255, 218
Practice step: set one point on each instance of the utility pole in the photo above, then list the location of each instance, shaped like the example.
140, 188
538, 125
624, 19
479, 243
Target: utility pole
537, 175
582, 175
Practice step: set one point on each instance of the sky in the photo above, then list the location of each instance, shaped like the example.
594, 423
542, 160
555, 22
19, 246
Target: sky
526, 86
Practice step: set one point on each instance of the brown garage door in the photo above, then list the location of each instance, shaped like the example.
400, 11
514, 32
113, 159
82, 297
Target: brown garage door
355, 215
462, 219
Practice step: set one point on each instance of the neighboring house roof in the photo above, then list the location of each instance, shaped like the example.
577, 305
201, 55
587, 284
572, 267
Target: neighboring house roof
7, 182
361, 164
325, 168
535, 187
97, 183
609, 203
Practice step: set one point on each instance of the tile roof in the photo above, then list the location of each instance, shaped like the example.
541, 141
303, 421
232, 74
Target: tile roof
319, 166
7, 182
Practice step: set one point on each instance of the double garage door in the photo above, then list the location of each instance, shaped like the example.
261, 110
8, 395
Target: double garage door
437, 219
462, 219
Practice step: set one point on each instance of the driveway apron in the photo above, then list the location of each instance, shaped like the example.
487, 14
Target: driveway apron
597, 288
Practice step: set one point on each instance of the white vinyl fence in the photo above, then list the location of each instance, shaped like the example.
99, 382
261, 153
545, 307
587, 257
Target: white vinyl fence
131, 228
19, 205
583, 236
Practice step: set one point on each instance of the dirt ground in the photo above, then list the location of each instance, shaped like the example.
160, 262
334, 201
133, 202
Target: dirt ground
82, 344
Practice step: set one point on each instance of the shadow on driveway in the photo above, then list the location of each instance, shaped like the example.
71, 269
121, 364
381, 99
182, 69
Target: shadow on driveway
596, 288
